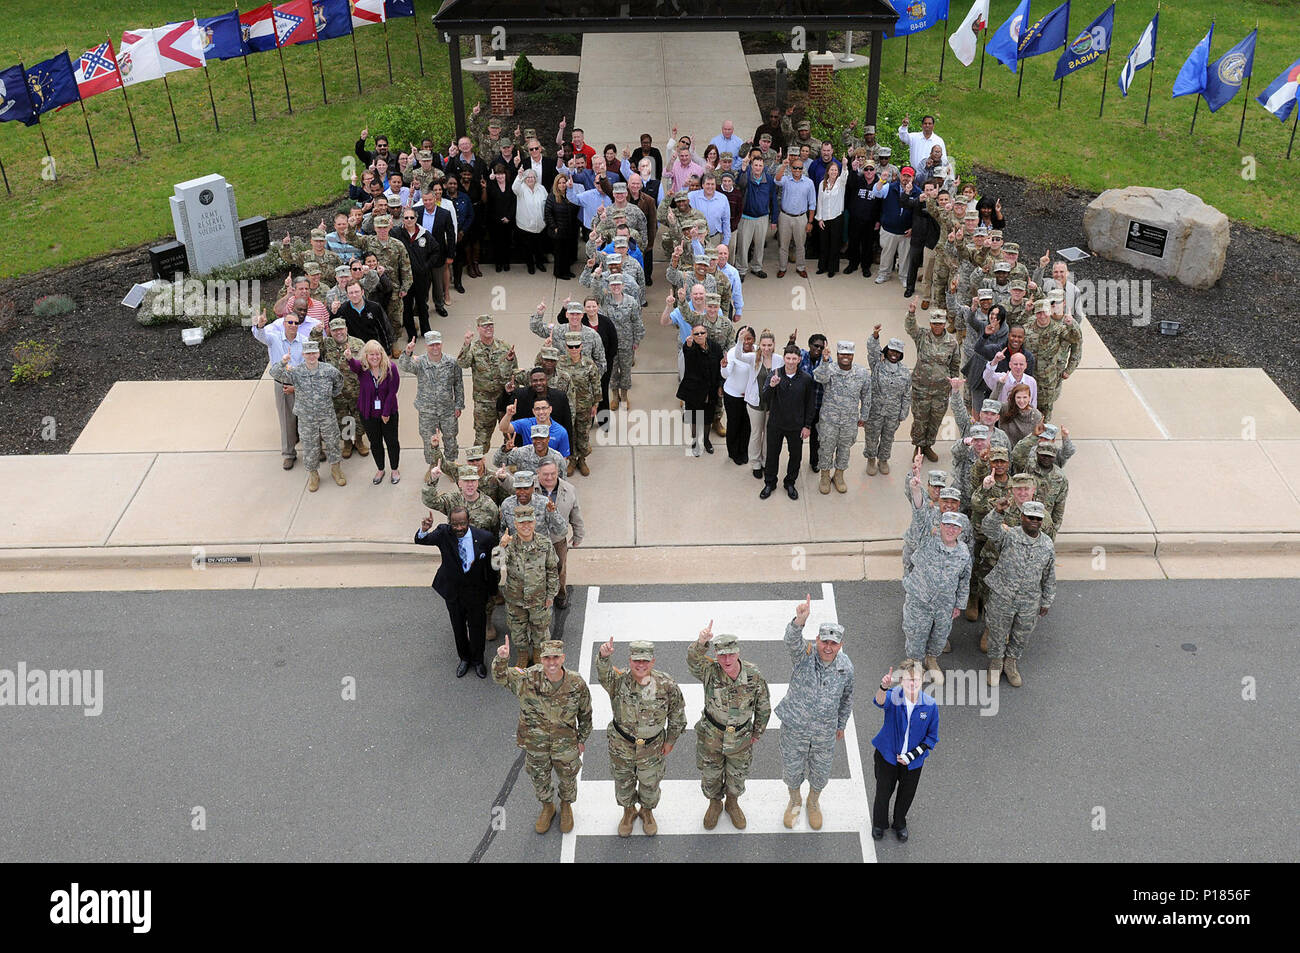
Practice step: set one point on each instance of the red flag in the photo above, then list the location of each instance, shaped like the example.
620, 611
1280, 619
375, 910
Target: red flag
97, 71
295, 22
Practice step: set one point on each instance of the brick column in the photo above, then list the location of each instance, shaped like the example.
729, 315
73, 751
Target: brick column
820, 68
501, 84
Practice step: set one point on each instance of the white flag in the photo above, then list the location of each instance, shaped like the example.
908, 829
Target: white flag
180, 46
137, 57
1142, 54
367, 12
966, 38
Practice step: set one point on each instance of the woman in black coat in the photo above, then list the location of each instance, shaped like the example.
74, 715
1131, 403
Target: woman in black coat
701, 380
603, 326
562, 227
500, 215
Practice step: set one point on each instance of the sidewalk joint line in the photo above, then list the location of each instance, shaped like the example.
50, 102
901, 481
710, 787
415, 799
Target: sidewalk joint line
1143, 401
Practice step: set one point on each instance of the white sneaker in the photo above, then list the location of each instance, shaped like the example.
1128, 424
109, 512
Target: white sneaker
882, 277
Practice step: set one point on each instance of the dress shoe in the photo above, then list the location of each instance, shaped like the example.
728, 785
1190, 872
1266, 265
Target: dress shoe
901, 833
780, 274
440, 309
506, 266
820, 271
708, 447
462, 668
848, 271
802, 273
759, 274
480, 670
791, 492
541, 266
764, 493
460, 288
758, 473
289, 462
532, 269
877, 833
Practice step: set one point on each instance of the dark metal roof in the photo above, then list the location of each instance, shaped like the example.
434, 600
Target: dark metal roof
647, 16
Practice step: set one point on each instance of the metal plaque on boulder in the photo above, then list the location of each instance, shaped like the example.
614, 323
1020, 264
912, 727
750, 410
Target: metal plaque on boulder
1146, 239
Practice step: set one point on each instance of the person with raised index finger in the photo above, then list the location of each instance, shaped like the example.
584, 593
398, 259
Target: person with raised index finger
908, 735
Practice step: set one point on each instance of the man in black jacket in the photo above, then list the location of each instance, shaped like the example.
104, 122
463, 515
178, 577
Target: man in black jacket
466, 579
436, 220
925, 236
366, 319
863, 212
791, 407
423, 251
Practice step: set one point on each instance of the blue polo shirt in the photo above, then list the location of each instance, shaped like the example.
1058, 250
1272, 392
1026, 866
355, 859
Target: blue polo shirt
798, 196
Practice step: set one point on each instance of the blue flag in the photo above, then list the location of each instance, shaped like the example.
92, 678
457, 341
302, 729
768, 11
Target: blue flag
1046, 34
1089, 46
1191, 78
15, 103
1280, 96
333, 18
399, 8
222, 37
1142, 54
1226, 74
917, 15
52, 83
1006, 41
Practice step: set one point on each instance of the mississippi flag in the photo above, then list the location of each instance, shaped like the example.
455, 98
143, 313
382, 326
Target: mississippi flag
258, 29
1280, 96
367, 12
295, 22
180, 46
97, 71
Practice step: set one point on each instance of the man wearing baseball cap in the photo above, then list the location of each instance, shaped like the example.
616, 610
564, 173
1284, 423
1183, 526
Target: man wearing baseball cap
1021, 587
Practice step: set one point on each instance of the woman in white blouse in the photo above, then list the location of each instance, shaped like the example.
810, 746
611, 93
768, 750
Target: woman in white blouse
760, 362
830, 219
530, 219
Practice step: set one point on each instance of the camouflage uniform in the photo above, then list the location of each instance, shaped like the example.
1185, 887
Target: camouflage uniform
555, 378
792, 137
592, 346
918, 526
846, 400
817, 704
296, 254
945, 265
645, 720
631, 287
1026, 447
636, 223
742, 706
397, 267
483, 513
1022, 583
549, 522
439, 393
526, 458
584, 394
981, 502
314, 391
345, 404
938, 583
937, 359
632, 271
421, 180
490, 368
1058, 348
532, 577
961, 417
891, 395
554, 718
630, 328
1053, 488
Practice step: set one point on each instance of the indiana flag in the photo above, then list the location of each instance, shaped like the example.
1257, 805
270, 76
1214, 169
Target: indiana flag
97, 71
367, 12
51, 83
1280, 95
258, 26
295, 22
180, 46
966, 37
137, 57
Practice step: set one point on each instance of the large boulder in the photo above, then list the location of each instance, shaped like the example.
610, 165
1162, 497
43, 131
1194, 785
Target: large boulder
1121, 225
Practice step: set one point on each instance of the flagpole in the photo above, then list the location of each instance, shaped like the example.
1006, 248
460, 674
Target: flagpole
122, 87
10, 191
906, 40
943, 50
93, 151
355, 60
249, 77
1151, 79
1294, 121
320, 62
177, 126
415, 25
1196, 109
46, 141
1245, 99
388, 52
1060, 93
1106, 73
215, 122
1020, 68
983, 55
283, 71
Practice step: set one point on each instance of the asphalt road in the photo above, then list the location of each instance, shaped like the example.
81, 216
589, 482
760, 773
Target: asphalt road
232, 702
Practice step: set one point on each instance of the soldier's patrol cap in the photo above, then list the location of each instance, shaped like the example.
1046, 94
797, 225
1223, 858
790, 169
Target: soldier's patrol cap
474, 453
1033, 508
681, 195
937, 478
884, 151
613, 280
844, 347
726, 644
766, 135
999, 453
342, 271
310, 346
383, 221
991, 406
804, 124
1042, 304
613, 259
551, 647
1011, 248
318, 234
869, 129
494, 121
311, 268
995, 233
953, 519
484, 320
505, 142
1045, 450
432, 337
938, 316
424, 155
701, 261
986, 294
1056, 295
573, 338
338, 324
525, 514
530, 133
1050, 432
979, 432
540, 432
640, 651
550, 354
950, 493
1018, 285
573, 307
1023, 479
830, 632
467, 473
972, 215
982, 230
620, 241
523, 478
620, 186
725, 156
895, 345
1002, 266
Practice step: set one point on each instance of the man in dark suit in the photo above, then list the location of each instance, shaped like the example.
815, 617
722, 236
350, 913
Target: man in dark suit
436, 220
791, 410
466, 579
533, 156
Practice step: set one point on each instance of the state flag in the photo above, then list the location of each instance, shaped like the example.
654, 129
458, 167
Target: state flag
15, 102
1191, 78
1005, 44
399, 8
1280, 95
51, 83
917, 15
1089, 46
1225, 75
333, 18
258, 28
137, 57
96, 71
1142, 54
295, 22
222, 37
1047, 34
180, 46
367, 12
965, 40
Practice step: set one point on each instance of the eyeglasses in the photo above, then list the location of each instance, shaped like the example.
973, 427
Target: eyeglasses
408, 218
575, 347
292, 323
700, 334
534, 148
796, 168
356, 267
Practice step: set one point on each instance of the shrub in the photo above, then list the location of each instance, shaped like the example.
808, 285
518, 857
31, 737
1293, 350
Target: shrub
53, 305
413, 115
33, 361
527, 78
799, 79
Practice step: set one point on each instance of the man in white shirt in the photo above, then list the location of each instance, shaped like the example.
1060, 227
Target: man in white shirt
728, 141
285, 336
920, 143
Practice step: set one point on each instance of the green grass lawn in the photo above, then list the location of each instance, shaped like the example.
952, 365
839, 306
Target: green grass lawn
1030, 138
280, 164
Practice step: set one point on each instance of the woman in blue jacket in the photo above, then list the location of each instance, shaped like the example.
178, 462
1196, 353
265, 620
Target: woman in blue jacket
909, 734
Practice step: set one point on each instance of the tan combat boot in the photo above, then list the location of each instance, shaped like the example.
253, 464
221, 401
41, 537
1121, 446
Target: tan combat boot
544, 819
884, 467
1013, 672
995, 671
347, 449
313, 481
932, 668
814, 810
362, 445
573, 467
566, 817
792, 809
336, 471
625, 825
613, 399
648, 822
930, 454
824, 484
947, 647
838, 480
627, 404
984, 641
973, 609
735, 813
490, 632
719, 427
582, 466
713, 813
871, 466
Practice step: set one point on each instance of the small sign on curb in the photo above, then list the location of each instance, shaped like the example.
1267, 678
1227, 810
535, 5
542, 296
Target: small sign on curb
226, 560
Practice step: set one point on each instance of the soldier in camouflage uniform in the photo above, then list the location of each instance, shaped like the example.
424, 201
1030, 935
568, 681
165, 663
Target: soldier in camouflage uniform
296, 255
938, 359
965, 452
635, 218
547, 519
891, 397
1052, 486
989, 411
397, 267
485, 132
315, 385
674, 210
846, 406
936, 482
867, 141
1058, 348
649, 716
628, 266
1017, 305
531, 457
935, 591
600, 268
492, 363
425, 174
592, 346
334, 349
1011, 255
737, 707
946, 262
548, 359
993, 487
439, 395
814, 712
584, 395
800, 135
554, 725
532, 577
1019, 490
1022, 587
483, 513
1044, 433
625, 313
337, 296
699, 275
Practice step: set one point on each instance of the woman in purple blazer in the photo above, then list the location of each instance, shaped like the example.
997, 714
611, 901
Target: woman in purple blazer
377, 403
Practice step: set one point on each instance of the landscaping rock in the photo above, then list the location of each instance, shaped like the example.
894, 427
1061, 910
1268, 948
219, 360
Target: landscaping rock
1196, 244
